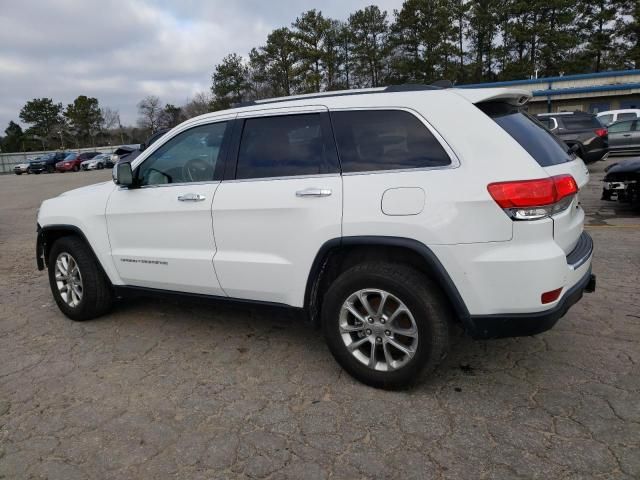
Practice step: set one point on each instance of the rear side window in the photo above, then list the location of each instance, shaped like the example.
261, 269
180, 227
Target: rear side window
627, 116
370, 140
605, 119
580, 122
540, 143
285, 146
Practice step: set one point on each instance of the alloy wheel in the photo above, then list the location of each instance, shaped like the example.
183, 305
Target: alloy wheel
68, 279
378, 329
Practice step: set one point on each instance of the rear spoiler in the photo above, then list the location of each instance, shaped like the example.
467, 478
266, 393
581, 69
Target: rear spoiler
513, 96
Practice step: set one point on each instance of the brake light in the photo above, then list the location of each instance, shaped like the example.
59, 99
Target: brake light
601, 132
534, 199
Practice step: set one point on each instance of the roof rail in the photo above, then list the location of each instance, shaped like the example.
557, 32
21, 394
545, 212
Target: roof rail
406, 87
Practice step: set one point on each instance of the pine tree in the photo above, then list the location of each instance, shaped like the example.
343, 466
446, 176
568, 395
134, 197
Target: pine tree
370, 30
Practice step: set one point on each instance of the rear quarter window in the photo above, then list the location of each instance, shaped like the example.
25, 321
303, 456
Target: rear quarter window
580, 122
540, 143
373, 140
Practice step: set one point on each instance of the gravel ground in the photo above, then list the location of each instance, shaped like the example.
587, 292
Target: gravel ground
188, 389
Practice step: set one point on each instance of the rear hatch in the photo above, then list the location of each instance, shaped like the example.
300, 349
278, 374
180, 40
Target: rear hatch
553, 155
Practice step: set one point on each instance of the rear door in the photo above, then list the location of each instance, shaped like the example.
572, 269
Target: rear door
278, 205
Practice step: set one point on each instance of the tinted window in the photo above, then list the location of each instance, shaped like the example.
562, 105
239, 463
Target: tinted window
605, 119
580, 122
370, 140
542, 145
284, 146
620, 127
190, 156
71, 156
547, 122
627, 116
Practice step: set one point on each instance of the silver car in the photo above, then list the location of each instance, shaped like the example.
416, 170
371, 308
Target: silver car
624, 136
98, 162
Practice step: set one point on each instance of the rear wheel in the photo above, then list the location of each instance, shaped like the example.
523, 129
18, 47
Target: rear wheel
76, 168
80, 288
386, 324
100, 166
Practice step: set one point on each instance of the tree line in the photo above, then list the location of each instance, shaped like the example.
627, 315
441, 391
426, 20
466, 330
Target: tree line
465, 41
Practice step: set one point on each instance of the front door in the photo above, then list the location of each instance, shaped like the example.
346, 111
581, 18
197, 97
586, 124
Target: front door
621, 135
281, 203
161, 232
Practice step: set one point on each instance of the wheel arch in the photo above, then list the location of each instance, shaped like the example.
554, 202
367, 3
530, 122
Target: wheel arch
47, 236
338, 254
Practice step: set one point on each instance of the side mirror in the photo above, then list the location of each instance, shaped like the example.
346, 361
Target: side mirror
142, 146
575, 148
122, 174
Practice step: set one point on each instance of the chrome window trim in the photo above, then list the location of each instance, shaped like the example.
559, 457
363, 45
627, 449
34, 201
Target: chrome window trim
288, 177
163, 185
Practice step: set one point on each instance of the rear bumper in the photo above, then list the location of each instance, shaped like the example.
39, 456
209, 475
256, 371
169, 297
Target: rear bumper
595, 154
526, 324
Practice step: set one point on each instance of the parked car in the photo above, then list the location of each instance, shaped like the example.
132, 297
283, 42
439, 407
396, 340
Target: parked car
128, 154
47, 163
613, 116
622, 182
581, 131
624, 137
371, 210
25, 167
98, 162
72, 162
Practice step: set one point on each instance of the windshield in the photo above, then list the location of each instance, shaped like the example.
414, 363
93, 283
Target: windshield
540, 143
71, 156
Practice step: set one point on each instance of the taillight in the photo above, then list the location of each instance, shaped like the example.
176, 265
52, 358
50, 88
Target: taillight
601, 132
534, 199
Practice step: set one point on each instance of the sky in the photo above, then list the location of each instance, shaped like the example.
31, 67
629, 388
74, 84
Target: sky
119, 51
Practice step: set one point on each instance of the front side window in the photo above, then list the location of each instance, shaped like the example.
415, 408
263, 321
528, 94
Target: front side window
620, 127
285, 146
370, 140
190, 156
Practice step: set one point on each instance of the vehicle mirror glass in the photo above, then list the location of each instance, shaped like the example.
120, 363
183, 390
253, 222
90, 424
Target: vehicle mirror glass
123, 174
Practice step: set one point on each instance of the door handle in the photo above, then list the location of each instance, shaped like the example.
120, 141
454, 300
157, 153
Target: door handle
313, 192
191, 197
626, 135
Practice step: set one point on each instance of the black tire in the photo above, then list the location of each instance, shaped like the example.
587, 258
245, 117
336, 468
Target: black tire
76, 168
18, 173
50, 169
97, 292
421, 296
100, 166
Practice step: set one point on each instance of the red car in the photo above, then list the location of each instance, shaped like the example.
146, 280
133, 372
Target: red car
72, 161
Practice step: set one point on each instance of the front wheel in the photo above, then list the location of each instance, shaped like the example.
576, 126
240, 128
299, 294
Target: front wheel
100, 166
386, 324
79, 287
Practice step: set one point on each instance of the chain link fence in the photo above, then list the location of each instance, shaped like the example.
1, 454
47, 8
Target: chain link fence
10, 160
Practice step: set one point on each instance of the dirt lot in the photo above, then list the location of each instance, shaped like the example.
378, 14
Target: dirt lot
187, 389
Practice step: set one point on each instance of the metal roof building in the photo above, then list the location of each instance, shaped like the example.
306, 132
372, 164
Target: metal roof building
589, 92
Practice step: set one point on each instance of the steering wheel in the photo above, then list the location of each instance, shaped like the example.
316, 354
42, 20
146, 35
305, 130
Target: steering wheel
197, 170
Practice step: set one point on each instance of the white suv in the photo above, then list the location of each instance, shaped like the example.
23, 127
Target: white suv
386, 214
